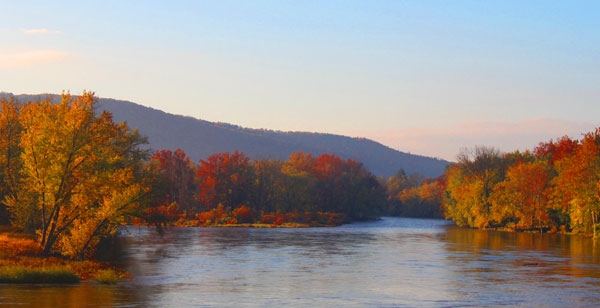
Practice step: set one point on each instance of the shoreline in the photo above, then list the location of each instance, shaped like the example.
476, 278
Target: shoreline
21, 262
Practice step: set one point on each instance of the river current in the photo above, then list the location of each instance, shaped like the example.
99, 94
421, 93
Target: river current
393, 262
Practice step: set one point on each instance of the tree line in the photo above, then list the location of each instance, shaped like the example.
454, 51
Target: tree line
246, 190
555, 187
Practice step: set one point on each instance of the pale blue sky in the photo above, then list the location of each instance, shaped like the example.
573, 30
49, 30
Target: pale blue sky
425, 77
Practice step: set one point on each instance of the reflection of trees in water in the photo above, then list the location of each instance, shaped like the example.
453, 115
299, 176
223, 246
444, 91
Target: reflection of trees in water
401, 262
322, 241
547, 256
87, 294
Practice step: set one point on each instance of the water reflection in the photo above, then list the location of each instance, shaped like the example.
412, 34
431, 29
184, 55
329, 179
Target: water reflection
360, 265
389, 263
67, 296
523, 268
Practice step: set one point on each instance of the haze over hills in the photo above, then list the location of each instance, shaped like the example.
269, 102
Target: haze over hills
199, 139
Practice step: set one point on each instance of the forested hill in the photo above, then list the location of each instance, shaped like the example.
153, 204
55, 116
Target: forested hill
199, 139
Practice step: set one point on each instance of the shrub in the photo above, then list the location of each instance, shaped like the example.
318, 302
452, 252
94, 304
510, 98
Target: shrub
22, 274
243, 214
217, 215
107, 276
278, 222
274, 218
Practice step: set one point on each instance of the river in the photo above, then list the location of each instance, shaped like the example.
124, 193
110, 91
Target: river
394, 262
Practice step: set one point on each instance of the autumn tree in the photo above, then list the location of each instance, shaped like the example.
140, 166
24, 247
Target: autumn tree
361, 195
395, 186
225, 178
328, 183
520, 199
470, 184
176, 183
80, 176
424, 200
297, 192
10, 131
556, 187
554, 151
303, 186
328, 170
268, 185
578, 178
459, 197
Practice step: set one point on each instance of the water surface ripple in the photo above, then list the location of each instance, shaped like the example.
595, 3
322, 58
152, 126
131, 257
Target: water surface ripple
393, 262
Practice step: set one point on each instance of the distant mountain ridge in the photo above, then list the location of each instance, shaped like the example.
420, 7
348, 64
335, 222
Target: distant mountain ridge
200, 139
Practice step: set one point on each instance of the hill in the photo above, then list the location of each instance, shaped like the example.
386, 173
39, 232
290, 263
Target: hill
199, 139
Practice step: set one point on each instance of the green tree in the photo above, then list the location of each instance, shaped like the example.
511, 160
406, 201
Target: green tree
361, 194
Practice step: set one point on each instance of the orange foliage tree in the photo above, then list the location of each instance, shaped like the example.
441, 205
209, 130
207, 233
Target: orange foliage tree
521, 198
10, 153
470, 185
225, 179
579, 179
424, 200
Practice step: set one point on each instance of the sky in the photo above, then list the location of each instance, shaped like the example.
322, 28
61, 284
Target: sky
423, 77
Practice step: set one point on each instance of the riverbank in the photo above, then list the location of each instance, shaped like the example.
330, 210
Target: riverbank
196, 223
21, 261
242, 217
563, 231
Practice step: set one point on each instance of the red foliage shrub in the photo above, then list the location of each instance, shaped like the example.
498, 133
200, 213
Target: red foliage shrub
270, 218
309, 218
243, 214
215, 216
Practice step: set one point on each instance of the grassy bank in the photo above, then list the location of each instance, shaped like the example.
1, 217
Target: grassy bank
21, 262
25, 274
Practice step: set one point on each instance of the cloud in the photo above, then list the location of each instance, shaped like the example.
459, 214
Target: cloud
447, 142
31, 57
40, 31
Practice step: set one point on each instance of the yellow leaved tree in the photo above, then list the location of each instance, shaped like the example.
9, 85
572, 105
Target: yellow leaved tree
10, 130
81, 174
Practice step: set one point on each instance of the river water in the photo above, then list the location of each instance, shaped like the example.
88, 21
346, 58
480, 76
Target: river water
394, 262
